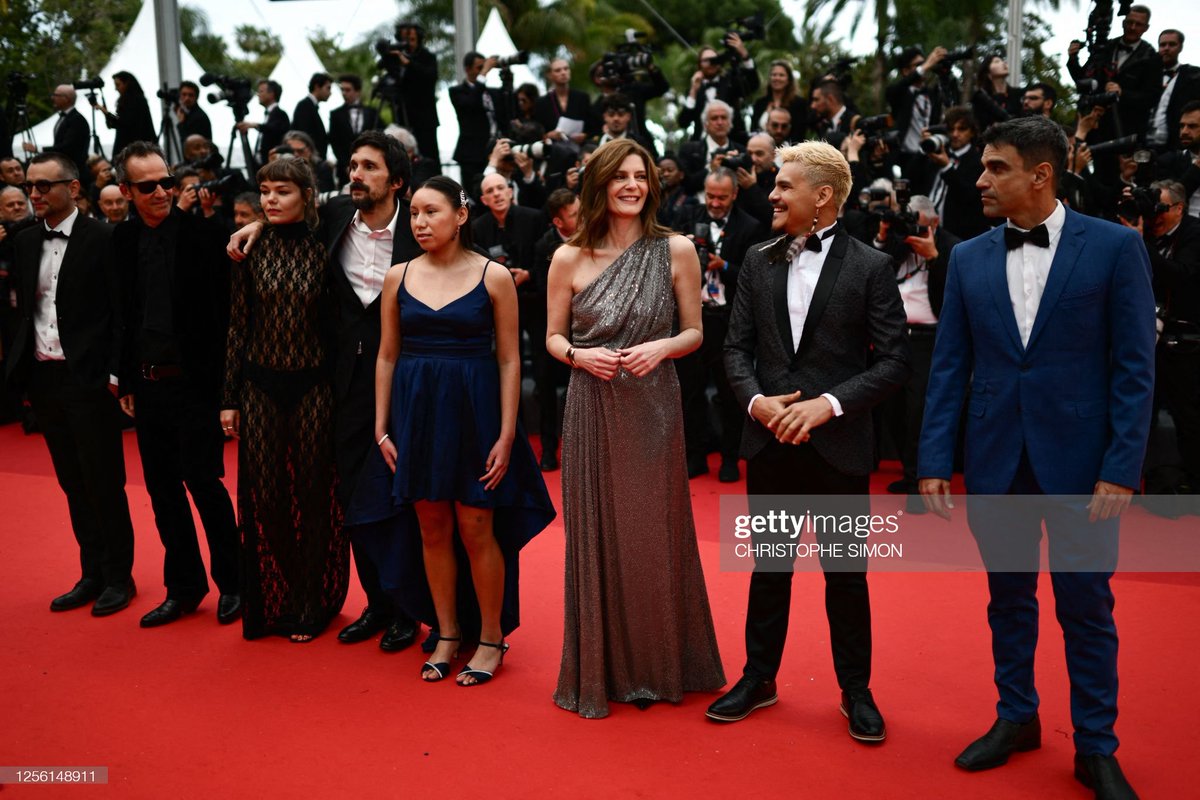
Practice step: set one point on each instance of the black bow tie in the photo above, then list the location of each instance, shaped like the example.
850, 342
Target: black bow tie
720, 223
1014, 237
48, 234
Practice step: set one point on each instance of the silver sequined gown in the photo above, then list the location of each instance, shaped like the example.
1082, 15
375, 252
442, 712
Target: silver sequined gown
638, 624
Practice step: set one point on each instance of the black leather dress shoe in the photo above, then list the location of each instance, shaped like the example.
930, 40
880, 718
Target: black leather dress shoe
1102, 774
229, 608
401, 634
729, 472
170, 610
549, 462
866, 723
746, 696
367, 625
87, 590
1002, 740
114, 598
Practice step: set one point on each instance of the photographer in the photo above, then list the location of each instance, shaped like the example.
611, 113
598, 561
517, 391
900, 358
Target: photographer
189, 197
834, 119
132, 120
190, 118
71, 131
755, 172
516, 167
699, 157
915, 102
994, 100
562, 112
722, 235
947, 176
272, 129
1180, 86
349, 120
415, 69
479, 122
1038, 100
1126, 66
307, 116
711, 83
617, 113
615, 73
779, 126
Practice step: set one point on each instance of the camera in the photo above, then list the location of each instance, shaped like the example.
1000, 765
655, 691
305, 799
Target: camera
700, 235
1091, 96
169, 94
936, 143
902, 221
877, 130
234, 91
736, 161
752, 28
1144, 203
953, 57
17, 84
519, 57
214, 185
840, 71
1121, 146
89, 84
212, 162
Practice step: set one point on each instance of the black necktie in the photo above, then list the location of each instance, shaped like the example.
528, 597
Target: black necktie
1014, 237
720, 223
48, 234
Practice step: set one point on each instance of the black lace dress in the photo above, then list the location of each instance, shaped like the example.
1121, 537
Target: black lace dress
295, 554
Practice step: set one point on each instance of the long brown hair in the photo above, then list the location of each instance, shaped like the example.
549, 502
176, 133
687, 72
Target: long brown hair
593, 194
789, 92
298, 171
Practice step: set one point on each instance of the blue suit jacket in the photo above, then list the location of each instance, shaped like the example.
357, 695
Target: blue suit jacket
1078, 398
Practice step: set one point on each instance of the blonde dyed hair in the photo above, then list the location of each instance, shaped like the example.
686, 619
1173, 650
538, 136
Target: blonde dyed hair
822, 164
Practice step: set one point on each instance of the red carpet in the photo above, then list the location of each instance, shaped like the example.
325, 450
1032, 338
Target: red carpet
192, 710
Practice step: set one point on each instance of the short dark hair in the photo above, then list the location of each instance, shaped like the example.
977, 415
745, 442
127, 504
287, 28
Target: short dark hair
558, 200
301, 136
1140, 9
273, 87
452, 191
1036, 138
962, 114
299, 172
1048, 91
394, 155
352, 79
252, 199
1190, 107
616, 102
134, 150
1171, 31
319, 79
907, 55
189, 85
66, 166
470, 57
832, 89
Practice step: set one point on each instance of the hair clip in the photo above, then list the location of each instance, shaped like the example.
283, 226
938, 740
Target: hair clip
462, 197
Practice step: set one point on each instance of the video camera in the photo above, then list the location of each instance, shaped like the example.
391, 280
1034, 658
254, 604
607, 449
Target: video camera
1091, 96
953, 57
169, 94
754, 28
1144, 203
840, 71
619, 64
237, 92
89, 86
1099, 24
902, 221
878, 130
17, 84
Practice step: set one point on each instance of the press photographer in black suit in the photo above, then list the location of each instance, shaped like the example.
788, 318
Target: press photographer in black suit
711, 82
276, 124
1127, 65
479, 121
349, 120
418, 87
71, 131
948, 173
65, 354
756, 184
915, 100
724, 234
190, 118
701, 156
307, 116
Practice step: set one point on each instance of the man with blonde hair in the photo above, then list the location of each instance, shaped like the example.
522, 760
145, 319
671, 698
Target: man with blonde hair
810, 306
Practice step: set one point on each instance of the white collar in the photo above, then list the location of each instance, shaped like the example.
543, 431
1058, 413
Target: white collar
361, 226
67, 226
1054, 223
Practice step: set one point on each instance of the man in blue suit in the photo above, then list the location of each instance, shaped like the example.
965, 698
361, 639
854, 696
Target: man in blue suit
1050, 319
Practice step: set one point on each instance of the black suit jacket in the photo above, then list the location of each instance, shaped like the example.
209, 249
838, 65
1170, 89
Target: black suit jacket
962, 212
798, 108
733, 86
307, 118
1140, 79
693, 158
522, 228
546, 110
740, 233
543, 253
87, 303
474, 129
342, 135
854, 345
419, 90
1177, 274
1187, 89
200, 301
900, 100
71, 139
195, 122
357, 328
271, 132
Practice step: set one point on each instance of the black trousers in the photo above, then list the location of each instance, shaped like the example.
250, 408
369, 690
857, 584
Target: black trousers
181, 444
905, 410
695, 371
798, 469
354, 436
83, 433
548, 372
1179, 379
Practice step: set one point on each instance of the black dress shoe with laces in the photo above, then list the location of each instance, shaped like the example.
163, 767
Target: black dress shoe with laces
746, 696
401, 634
370, 623
170, 610
866, 723
229, 608
1001, 741
114, 598
84, 592
1102, 774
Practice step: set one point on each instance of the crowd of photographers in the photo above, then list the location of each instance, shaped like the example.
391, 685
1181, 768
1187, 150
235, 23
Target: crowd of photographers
1134, 159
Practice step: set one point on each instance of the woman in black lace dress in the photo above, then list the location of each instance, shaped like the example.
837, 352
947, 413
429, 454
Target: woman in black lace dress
278, 402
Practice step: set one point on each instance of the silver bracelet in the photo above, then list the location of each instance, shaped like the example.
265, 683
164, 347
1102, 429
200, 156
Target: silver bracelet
384, 439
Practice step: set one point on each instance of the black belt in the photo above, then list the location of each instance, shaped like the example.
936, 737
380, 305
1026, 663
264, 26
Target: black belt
922, 330
158, 372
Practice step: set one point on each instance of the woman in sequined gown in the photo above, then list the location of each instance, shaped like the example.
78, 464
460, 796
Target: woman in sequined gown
638, 626
278, 402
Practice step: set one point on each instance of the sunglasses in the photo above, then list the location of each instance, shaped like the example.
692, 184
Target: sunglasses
148, 187
41, 186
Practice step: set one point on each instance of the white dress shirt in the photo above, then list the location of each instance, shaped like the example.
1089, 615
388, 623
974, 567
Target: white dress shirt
47, 344
913, 283
367, 255
1158, 132
1027, 268
937, 193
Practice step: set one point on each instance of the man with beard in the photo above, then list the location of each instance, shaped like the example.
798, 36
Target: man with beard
365, 232
190, 117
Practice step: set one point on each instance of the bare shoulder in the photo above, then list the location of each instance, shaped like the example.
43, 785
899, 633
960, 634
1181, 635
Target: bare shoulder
565, 260
496, 278
680, 245
394, 275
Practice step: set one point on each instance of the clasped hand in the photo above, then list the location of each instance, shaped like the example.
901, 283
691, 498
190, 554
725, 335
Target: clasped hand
639, 360
790, 418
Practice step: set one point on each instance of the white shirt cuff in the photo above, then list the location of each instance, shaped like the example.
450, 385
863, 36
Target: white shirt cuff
750, 408
113, 380
833, 401
489, 170
689, 102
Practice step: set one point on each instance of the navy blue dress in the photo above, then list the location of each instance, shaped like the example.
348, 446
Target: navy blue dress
445, 418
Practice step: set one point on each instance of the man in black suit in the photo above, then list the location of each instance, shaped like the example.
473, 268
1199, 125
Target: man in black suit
810, 306
272, 129
12, 173
1180, 86
71, 130
914, 100
700, 156
711, 82
349, 120
191, 120
725, 234
947, 176
1127, 65
65, 354
175, 305
835, 120
1183, 165
479, 119
418, 74
307, 116
756, 184
617, 112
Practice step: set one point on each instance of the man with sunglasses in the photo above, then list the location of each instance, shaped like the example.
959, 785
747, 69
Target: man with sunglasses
65, 355
175, 305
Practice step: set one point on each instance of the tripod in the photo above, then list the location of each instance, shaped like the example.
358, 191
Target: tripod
97, 147
168, 134
21, 123
247, 152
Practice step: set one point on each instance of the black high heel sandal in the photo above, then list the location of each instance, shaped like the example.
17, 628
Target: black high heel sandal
482, 676
442, 668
